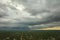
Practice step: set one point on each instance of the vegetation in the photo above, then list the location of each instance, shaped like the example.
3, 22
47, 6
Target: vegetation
30, 35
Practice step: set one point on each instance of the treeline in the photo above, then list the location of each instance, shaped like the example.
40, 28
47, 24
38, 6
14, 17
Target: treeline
8, 35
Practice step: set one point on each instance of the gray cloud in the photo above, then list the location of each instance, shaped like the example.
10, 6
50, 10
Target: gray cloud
28, 13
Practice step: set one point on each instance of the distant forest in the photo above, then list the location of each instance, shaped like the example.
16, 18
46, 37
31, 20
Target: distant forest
29, 35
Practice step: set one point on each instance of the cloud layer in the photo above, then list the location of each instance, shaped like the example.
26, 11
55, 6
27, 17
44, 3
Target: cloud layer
29, 13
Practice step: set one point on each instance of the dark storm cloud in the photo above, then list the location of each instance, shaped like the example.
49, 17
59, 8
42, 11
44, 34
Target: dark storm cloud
52, 8
37, 12
31, 4
49, 8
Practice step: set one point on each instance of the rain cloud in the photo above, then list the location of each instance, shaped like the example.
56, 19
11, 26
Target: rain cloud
31, 14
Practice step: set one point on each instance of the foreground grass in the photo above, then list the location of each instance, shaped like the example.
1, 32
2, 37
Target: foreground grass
30, 35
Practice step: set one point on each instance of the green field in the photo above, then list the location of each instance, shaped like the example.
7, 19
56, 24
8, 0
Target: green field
30, 35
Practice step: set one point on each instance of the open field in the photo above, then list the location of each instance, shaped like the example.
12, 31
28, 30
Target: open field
30, 35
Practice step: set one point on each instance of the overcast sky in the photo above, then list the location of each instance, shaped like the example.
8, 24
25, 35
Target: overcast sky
29, 13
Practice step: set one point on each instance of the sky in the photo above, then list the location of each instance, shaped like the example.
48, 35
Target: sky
31, 14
